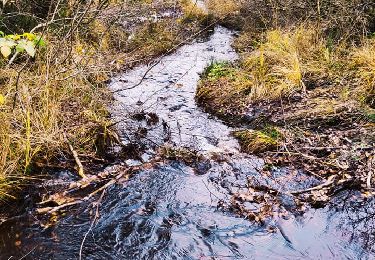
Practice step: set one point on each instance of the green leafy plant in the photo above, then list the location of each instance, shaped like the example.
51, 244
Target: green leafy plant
371, 118
216, 70
20, 43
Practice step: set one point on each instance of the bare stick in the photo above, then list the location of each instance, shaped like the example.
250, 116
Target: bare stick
55, 209
329, 182
76, 158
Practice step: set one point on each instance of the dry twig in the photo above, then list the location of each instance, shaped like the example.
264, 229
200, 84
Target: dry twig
76, 158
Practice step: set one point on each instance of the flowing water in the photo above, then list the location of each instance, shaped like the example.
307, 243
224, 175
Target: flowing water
172, 210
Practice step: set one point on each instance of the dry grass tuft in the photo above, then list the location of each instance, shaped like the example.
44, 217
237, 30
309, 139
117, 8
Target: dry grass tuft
254, 142
276, 68
50, 98
282, 63
363, 61
192, 12
223, 8
288, 63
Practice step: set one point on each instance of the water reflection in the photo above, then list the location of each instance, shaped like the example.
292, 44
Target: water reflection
170, 213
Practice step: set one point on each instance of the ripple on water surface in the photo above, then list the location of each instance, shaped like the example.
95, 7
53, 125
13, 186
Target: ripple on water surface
168, 90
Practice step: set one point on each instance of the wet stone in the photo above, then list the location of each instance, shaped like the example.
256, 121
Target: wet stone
287, 201
176, 107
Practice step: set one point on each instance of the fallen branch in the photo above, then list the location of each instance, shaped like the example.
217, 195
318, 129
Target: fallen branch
329, 182
75, 201
76, 158
50, 210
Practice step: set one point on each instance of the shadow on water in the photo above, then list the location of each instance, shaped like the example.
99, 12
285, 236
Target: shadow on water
171, 212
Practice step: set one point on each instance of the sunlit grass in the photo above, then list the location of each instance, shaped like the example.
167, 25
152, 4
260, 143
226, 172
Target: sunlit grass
363, 61
63, 91
223, 8
279, 63
287, 62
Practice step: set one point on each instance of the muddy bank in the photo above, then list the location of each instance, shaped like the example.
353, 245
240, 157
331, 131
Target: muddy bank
296, 109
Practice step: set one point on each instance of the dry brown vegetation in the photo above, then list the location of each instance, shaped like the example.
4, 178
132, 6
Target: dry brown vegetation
62, 91
291, 49
306, 69
340, 19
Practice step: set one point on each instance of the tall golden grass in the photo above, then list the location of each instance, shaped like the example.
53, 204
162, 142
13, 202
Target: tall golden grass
63, 92
284, 61
363, 62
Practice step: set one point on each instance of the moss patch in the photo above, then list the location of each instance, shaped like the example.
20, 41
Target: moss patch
255, 142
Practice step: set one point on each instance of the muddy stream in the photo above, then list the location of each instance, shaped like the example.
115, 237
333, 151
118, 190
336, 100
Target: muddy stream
174, 210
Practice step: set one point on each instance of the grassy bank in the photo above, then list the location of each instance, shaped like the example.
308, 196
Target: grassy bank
306, 71
58, 96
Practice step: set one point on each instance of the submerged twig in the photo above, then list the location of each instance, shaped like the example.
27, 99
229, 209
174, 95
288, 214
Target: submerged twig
92, 223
